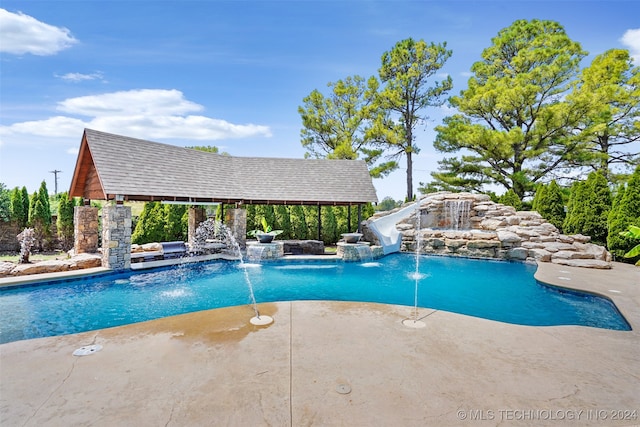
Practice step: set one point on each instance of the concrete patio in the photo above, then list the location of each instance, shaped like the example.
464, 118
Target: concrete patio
336, 363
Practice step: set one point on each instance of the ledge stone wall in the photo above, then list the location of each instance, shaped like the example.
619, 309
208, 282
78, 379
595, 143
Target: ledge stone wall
486, 229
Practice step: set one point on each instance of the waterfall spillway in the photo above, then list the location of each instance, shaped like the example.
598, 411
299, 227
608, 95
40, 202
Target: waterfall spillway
457, 213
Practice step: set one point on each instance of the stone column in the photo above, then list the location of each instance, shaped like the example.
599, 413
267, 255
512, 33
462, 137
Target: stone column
236, 220
116, 237
197, 215
85, 229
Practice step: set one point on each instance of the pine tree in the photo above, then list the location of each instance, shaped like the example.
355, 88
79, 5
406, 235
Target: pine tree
510, 198
624, 212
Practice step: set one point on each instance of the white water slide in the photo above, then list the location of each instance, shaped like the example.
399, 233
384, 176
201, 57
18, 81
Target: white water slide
385, 228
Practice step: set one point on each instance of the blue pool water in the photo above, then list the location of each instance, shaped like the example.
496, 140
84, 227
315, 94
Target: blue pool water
494, 290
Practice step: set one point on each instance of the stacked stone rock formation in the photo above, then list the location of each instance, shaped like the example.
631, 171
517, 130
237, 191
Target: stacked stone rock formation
494, 231
77, 262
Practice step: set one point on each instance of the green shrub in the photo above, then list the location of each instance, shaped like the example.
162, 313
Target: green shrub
624, 212
510, 198
588, 208
150, 225
65, 221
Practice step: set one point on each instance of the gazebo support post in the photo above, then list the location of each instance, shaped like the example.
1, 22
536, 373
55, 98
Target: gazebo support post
236, 220
360, 218
116, 237
319, 222
85, 229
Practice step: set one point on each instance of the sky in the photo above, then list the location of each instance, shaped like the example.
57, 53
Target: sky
233, 73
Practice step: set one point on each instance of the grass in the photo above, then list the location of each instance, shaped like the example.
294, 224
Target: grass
45, 256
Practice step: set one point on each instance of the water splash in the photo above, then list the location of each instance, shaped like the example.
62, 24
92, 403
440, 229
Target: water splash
417, 272
215, 230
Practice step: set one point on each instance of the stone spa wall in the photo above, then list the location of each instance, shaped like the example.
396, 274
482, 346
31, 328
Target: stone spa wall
471, 225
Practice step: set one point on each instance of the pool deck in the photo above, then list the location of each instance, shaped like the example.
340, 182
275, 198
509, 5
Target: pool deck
336, 363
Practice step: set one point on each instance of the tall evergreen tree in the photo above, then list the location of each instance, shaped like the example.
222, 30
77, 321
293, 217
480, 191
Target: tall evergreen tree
251, 218
513, 125
329, 226
624, 212
40, 227
32, 207
298, 223
510, 198
576, 208
150, 226
311, 216
25, 204
609, 90
5, 203
538, 198
283, 221
551, 204
589, 206
18, 212
43, 195
173, 227
65, 221
406, 72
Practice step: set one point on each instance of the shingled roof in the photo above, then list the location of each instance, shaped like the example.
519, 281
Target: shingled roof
136, 169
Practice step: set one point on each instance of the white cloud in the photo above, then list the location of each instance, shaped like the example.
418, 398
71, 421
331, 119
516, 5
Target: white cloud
73, 151
143, 113
22, 34
145, 102
79, 77
631, 39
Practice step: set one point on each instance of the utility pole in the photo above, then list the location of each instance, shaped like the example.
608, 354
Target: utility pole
55, 173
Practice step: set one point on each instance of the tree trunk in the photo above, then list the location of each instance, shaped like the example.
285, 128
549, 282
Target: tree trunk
409, 176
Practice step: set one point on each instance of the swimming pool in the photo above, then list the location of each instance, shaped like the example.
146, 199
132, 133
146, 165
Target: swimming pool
495, 290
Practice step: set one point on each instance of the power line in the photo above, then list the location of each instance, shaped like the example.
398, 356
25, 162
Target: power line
55, 173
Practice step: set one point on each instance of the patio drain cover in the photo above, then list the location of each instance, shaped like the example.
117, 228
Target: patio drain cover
343, 388
87, 350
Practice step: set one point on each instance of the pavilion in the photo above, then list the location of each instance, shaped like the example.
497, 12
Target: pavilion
118, 168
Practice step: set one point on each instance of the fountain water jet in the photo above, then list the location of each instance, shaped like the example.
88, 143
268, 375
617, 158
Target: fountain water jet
210, 229
417, 276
